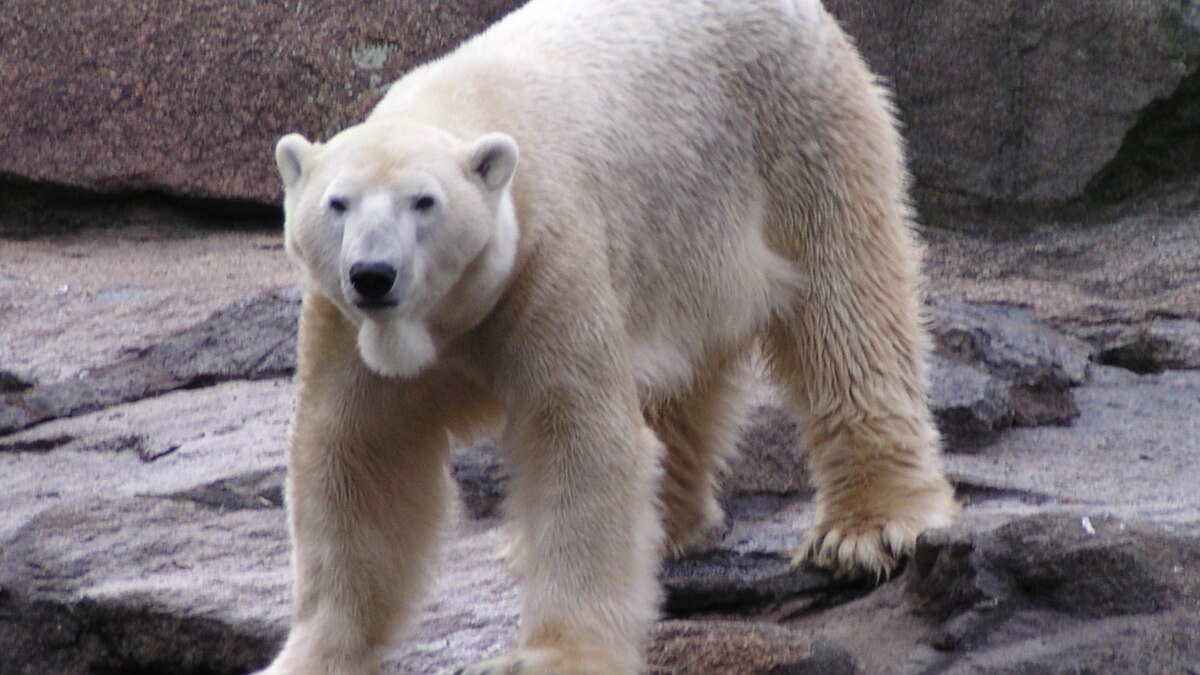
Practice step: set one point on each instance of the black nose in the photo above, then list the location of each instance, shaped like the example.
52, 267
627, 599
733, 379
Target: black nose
372, 280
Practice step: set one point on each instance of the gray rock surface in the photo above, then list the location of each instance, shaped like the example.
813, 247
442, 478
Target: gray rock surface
724, 580
1157, 344
250, 340
971, 407
1027, 101
1060, 592
116, 588
770, 457
1112, 278
995, 367
161, 445
1055, 592
144, 532
89, 285
1133, 450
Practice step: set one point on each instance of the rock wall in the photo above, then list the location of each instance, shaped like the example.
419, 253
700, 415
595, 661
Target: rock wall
1025, 100
1006, 100
189, 96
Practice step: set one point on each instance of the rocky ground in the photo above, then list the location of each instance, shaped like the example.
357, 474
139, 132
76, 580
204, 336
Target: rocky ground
147, 321
146, 357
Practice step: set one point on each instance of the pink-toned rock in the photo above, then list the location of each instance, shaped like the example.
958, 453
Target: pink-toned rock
188, 97
1017, 100
734, 648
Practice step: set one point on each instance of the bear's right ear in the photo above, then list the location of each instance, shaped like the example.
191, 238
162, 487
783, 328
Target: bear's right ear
494, 159
290, 153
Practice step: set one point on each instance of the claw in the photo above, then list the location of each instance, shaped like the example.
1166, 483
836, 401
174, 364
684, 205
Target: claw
857, 552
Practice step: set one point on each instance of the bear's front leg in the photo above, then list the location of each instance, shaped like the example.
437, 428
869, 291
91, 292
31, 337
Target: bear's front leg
584, 477
367, 489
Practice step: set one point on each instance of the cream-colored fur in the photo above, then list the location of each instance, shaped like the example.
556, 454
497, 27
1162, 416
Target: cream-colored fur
596, 211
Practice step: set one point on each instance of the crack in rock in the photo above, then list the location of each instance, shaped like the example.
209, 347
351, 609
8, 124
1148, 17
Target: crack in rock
10, 382
730, 581
39, 445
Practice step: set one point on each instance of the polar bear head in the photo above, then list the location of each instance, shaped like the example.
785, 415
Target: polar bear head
406, 228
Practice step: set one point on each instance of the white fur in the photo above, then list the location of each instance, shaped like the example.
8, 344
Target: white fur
629, 199
453, 258
397, 348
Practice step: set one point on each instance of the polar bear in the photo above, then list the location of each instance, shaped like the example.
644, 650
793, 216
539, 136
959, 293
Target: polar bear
575, 230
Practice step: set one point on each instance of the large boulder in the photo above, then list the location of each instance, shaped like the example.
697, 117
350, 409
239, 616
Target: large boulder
188, 97
1029, 100
1060, 592
1007, 100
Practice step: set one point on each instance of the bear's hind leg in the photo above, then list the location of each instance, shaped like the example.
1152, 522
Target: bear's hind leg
849, 355
849, 350
855, 382
699, 429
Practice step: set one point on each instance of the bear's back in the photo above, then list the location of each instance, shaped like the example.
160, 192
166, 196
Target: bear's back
649, 128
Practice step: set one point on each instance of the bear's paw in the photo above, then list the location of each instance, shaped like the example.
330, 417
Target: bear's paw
547, 661
858, 547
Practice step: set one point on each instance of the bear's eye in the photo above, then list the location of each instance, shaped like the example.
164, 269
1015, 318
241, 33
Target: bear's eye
337, 205
423, 203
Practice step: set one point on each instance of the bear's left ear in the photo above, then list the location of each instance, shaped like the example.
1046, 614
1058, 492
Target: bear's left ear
494, 159
290, 153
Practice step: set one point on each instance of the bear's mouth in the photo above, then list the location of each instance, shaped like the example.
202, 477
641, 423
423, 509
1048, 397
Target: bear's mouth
375, 305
